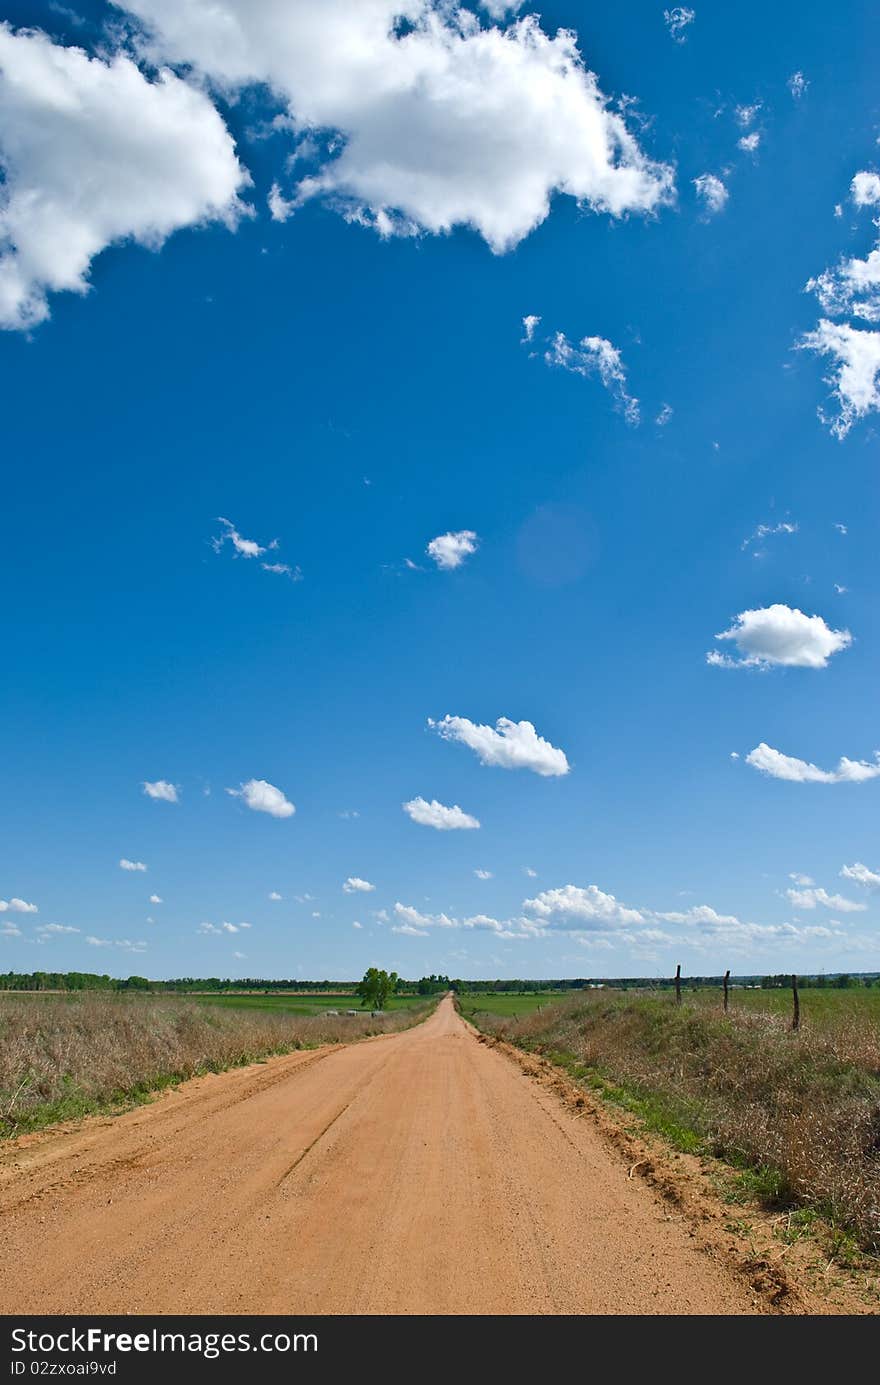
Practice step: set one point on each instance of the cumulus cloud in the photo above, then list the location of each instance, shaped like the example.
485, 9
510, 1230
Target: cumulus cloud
508, 745
156, 899
409, 931
420, 118
354, 885
483, 874
749, 143
865, 189
125, 864
450, 550
800, 879
355, 924
862, 875
778, 766
780, 635
17, 906
437, 815
855, 362
92, 154
412, 920
263, 797
162, 790
595, 356
678, 20
809, 898
274, 896
530, 325
712, 192
577, 908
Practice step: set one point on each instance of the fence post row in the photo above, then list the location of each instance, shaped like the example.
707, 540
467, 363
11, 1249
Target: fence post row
726, 990
796, 1021
678, 984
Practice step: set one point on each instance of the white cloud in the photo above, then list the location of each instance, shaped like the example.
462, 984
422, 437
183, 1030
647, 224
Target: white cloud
355, 924
283, 570
809, 898
800, 879
56, 929
780, 635
410, 931
125, 944
437, 815
712, 192
532, 874
426, 125
677, 21
865, 189
240, 956
17, 906
855, 356
354, 885
576, 908
156, 899
749, 143
244, 548
764, 531
162, 790
209, 928
9, 930
508, 745
125, 864
704, 917
263, 797
274, 896
664, 415
530, 324
841, 528
450, 550
779, 766
745, 115
862, 875
595, 356
93, 154
483, 874
797, 85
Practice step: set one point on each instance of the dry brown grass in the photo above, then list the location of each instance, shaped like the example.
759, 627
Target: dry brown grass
64, 1056
803, 1110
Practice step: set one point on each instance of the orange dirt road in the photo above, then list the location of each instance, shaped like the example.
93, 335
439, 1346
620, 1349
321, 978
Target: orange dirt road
421, 1172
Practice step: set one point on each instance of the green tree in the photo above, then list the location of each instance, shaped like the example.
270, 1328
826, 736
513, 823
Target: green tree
376, 987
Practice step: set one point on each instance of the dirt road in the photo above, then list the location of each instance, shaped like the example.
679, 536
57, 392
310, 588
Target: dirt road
418, 1173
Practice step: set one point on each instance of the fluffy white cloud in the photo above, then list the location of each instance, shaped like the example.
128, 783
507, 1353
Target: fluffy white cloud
808, 899
749, 143
409, 931
450, 550
354, 885
162, 790
800, 879
417, 118
156, 899
780, 635
92, 153
483, 874
17, 906
530, 323
274, 896
575, 908
509, 744
862, 875
702, 916
855, 357
712, 192
595, 356
125, 864
263, 797
779, 766
865, 189
797, 85
411, 920
437, 815
677, 21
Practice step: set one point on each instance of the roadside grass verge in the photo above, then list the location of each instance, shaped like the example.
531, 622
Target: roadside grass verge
63, 1057
796, 1114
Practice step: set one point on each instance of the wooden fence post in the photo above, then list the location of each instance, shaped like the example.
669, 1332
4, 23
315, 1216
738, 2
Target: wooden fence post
796, 1021
678, 984
726, 996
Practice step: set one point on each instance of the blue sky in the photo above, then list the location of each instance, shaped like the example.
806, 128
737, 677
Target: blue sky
354, 380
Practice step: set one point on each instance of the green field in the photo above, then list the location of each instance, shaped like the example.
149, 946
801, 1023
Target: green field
312, 1004
507, 1003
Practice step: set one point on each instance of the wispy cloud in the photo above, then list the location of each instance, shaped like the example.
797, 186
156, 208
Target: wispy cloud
678, 20
712, 192
595, 356
161, 789
125, 864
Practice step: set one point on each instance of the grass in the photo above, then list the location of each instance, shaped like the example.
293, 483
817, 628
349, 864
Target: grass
506, 1003
66, 1056
797, 1114
313, 1004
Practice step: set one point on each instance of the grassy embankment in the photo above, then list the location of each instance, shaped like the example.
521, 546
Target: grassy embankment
65, 1056
798, 1114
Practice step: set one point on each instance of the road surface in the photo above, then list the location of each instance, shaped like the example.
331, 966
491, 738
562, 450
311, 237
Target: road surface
422, 1172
